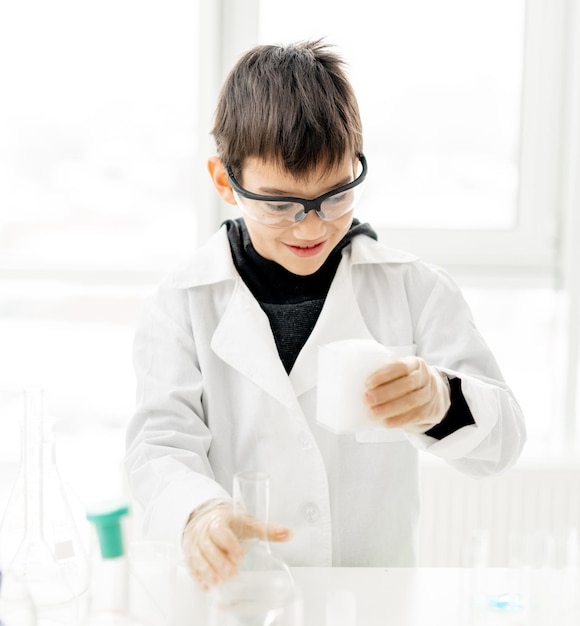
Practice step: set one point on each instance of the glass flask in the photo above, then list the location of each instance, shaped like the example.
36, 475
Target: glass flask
16, 606
39, 539
263, 591
109, 600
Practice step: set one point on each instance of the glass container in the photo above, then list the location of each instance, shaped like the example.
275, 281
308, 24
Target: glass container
263, 591
39, 539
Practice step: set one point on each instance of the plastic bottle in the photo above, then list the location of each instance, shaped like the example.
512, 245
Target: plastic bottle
263, 591
40, 542
109, 588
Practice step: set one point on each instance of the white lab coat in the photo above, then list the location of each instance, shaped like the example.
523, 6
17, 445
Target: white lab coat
214, 399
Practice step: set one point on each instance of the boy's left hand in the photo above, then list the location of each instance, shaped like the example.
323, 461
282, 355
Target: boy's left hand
408, 394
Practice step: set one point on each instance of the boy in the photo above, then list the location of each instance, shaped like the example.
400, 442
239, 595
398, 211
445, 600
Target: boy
226, 355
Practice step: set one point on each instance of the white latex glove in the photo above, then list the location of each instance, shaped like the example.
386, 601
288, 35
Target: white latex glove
211, 541
408, 394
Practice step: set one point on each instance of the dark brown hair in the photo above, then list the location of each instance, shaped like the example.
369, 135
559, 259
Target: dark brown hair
292, 105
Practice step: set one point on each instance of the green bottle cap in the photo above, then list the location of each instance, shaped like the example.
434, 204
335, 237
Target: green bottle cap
107, 520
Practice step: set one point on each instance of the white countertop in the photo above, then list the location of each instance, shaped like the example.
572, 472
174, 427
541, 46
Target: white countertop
417, 597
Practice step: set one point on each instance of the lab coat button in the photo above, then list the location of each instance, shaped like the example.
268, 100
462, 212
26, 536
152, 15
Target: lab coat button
305, 442
311, 512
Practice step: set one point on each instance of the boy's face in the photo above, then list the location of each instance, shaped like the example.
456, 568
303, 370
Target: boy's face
303, 247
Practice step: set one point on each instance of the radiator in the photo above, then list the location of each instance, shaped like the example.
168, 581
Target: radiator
529, 515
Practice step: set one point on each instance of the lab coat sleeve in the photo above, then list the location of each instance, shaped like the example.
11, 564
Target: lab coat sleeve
446, 337
167, 439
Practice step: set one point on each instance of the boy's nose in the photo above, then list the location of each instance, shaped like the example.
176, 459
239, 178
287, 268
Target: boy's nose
310, 227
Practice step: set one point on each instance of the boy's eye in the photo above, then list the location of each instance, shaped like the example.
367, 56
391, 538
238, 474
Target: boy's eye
337, 199
341, 198
279, 207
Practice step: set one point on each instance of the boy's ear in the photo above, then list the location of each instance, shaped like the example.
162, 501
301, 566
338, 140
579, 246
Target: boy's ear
217, 171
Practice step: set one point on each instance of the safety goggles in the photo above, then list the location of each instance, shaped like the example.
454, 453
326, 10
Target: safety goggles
284, 211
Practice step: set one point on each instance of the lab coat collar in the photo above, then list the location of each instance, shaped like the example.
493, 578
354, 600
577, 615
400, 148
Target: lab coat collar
243, 338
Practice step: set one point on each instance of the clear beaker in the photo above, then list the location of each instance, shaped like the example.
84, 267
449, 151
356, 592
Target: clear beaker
40, 541
263, 592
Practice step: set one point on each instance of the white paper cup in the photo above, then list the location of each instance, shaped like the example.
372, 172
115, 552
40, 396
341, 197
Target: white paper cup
343, 367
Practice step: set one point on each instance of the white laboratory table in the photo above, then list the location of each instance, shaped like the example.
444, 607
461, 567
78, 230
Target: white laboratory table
418, 597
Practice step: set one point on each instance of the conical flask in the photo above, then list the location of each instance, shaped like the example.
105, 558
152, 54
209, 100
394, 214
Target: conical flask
263, 591
40, 542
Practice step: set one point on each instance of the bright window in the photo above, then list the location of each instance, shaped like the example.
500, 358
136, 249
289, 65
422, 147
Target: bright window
98, 142
460, 103
440, 90
97, 134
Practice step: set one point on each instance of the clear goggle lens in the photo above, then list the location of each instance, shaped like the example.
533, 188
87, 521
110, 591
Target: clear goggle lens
288, 213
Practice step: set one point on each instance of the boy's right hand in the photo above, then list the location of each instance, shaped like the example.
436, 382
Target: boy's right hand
211, 541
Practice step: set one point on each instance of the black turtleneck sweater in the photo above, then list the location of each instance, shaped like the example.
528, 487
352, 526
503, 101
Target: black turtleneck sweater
293, 304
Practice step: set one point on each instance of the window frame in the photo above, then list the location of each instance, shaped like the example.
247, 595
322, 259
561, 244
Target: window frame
530, 249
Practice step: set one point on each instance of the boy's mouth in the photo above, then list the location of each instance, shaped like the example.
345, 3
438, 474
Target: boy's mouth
307, 250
